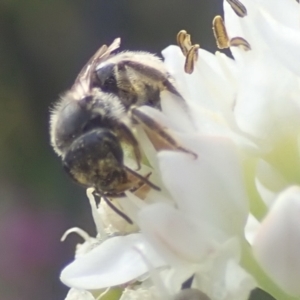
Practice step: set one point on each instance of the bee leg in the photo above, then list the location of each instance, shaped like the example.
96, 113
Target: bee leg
128, 137
158, 135
113, 207
143, 179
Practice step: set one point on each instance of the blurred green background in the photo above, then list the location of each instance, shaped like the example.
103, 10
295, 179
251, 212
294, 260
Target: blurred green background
43, 45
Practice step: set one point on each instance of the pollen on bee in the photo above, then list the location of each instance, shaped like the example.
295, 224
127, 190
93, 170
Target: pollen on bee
240, 42
220, 33
238, 7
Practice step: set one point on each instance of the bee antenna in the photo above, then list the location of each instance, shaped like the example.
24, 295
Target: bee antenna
114, 208
143, 179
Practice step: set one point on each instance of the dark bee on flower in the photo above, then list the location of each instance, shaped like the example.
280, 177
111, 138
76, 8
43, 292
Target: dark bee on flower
92, 124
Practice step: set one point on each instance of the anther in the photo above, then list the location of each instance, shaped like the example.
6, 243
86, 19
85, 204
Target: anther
184, 41
181, 38
238, 7
220, 33
189, 51
191, 58
240, 42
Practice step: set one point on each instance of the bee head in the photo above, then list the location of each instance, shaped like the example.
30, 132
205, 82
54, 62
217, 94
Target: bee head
96, 159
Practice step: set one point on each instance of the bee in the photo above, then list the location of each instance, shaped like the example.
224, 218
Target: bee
92, 122
135, 77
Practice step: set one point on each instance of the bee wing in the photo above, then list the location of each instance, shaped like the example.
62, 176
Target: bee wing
157, 132
102, 53
105, 54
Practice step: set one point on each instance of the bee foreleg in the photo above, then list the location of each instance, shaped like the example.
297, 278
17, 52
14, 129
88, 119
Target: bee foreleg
143, 179
113, 207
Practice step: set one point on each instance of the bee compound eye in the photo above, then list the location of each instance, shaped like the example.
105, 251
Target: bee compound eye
69, 122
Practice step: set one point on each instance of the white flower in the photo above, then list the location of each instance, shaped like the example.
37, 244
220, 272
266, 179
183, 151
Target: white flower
75, 294
140, 293
243, 125
277, 242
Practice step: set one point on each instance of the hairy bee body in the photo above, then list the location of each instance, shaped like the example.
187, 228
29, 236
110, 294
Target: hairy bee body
74, 115
92, 123
86, 134
137, 78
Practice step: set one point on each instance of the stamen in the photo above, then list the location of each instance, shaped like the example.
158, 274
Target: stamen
189, 51
103, 294
238, 7
191, 58
77, 230
220, 33
90, 192
240, 42
184, 41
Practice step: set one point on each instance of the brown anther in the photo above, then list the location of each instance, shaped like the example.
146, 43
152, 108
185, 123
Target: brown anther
191, 58
184, 41
240, 42
238, 7
180, 36
189, 51
220, 32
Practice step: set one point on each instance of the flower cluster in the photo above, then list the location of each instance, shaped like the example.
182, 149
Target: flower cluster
228, 220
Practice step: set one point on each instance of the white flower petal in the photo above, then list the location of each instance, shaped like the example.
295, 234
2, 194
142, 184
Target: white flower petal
190, 86
285, 12
277, 243
284, 41
266, 194
269, 182
269, 176
261, 104
238, 283
174, 108
212, 77
176, 236
209, 188
251, 228
225, 279
112, 263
